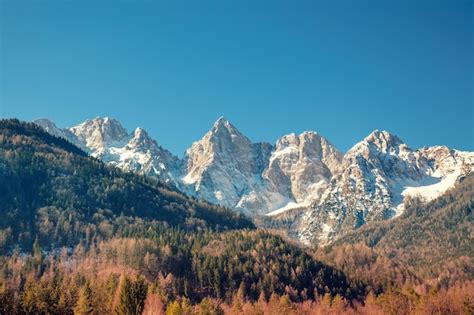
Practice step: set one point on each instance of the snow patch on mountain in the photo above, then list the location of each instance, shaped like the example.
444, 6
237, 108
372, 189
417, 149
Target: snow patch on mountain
50, 127
105, 138
378, 174
289, 206
302, 176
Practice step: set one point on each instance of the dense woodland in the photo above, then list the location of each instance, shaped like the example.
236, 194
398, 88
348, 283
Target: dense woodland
433, 242
79, 237
53, 192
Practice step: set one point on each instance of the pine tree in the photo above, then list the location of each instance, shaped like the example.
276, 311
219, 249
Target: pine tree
124, 303
338, 304
6, 300
468, 305
132, 295
29, 298
84, 302
325, 304
209, 307
174, 308
236, 305
37, 253
139, 291
111, 287
186, 307
274, 304
285, 304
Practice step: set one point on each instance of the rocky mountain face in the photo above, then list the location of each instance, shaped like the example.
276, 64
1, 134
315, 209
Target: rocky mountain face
106, 139
377, 174
223, 166
304, 179
301, 167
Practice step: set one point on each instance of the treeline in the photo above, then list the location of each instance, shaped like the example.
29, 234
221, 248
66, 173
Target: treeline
430, 241
118, 290
53, 191
173, 264
79, 237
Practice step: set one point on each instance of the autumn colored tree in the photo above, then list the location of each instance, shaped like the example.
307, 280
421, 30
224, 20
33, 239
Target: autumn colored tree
209, 307
84, 305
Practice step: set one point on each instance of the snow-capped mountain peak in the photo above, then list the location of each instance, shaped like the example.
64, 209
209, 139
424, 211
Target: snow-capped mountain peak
140, 139
222, 122
100, 132
302, 165
223, 130
222, 165
303, 176
378, 174
380, 141
50, 127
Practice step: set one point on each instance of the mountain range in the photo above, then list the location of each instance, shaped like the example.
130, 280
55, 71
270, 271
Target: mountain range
303, 180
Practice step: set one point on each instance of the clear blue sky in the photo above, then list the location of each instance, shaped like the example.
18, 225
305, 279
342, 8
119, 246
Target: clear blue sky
342, 68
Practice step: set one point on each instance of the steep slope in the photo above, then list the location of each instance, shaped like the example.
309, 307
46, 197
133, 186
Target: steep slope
435, 239
143, 155
52, 190
378, 173
106, 139
303, 183
100, 133
223, 165
301, 167
52, 129
71, 223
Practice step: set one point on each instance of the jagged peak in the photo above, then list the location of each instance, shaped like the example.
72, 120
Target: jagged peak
99, 130
140, 132
314, 136
223, 123
302, 138
310, 133
102, 122
107, 121
382, 141
303, 135
378, 136
142, 135
45, 121
141, 139
224, 128
48, 125
221, 120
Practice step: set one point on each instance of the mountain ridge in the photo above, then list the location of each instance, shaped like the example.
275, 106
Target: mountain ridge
333, 192
45, 180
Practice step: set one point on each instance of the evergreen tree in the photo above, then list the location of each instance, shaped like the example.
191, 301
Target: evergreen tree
6, 300
37, 253
139, 291
84, 303
174, 308
30, 296
186, 307
124, 301
132, 295
209, 307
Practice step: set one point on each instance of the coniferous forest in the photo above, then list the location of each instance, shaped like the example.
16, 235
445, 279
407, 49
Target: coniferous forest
80, 237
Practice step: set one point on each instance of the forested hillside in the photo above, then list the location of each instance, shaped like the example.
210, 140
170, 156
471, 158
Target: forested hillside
78, 236
432, 242
52, 191
173, 264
